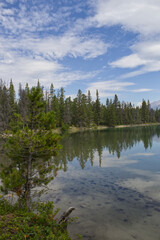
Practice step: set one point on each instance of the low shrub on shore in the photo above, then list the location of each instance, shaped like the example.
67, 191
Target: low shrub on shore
39, 223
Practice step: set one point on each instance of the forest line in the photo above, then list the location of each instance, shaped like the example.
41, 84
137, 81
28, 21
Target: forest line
82, 111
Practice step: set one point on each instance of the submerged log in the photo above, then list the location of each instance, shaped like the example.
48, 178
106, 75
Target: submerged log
65, 215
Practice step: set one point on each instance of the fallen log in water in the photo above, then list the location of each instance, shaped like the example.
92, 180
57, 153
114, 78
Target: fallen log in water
65, 215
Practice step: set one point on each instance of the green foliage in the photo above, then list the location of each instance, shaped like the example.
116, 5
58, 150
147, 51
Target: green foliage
12, 180
39, 146
34, 103
40, 223
64, 128
30, 146
97, 109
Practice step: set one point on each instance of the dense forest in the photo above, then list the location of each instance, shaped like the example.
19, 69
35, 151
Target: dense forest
82, 111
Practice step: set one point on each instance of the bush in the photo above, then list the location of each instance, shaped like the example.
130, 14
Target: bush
39, 223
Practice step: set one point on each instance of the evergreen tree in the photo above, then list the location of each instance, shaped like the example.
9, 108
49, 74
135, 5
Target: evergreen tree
111, 115
23, 102
12, 96
75, 113
81, 109
144, 112
97, 109
89, 109
29, 149
5, 114
55, 107
51, 95
67, 111
61, 105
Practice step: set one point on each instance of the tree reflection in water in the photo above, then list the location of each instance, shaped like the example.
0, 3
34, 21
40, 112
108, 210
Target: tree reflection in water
83, 145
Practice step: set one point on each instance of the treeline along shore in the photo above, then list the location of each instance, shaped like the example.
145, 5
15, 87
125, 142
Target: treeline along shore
81, 112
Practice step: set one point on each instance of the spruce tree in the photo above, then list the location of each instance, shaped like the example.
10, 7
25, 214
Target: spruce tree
89, 109
97, 109
29, 149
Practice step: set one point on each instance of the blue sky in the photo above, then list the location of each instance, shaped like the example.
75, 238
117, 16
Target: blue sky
109, 45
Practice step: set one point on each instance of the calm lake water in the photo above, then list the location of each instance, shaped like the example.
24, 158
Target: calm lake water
112, 178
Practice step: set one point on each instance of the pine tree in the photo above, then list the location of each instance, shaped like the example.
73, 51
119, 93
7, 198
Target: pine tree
5, 115
75, 113
67, 111
29, 149
112, 115
97, 109
51, 95
61, 105
12, 102
144, 112
23, 102
89, 109
79, 109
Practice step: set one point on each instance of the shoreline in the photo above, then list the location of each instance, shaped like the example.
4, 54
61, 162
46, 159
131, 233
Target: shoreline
99, 128
73, 129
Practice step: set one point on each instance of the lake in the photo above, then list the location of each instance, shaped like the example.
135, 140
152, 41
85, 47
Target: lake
112, 178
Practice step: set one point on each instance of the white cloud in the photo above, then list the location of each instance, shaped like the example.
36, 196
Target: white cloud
141, 90
130, 61
65, 78
55, 47
137, 16
140, 16
66, 45
72, 96
144, 154
151, 187
29, 59
31, 47
24, 19
148, 49
146, 55
112, 161
26, 69
108, 88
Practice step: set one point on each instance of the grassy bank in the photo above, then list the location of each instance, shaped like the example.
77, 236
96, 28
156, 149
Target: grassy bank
73, 129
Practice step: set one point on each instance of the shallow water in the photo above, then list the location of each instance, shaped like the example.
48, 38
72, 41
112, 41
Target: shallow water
112, 178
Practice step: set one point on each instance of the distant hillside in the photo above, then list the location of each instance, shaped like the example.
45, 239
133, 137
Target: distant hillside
155, 104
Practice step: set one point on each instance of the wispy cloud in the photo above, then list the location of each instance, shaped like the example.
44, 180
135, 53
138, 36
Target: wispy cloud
144, 154
30, 70
44, 39
55, 47
141, 90
108, 88
31, 49
33, 17
130, 61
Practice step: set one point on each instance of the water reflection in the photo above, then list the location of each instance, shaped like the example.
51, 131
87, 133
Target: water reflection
119, 200
83, 146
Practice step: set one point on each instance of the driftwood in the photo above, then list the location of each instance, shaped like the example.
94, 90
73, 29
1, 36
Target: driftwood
65, 215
